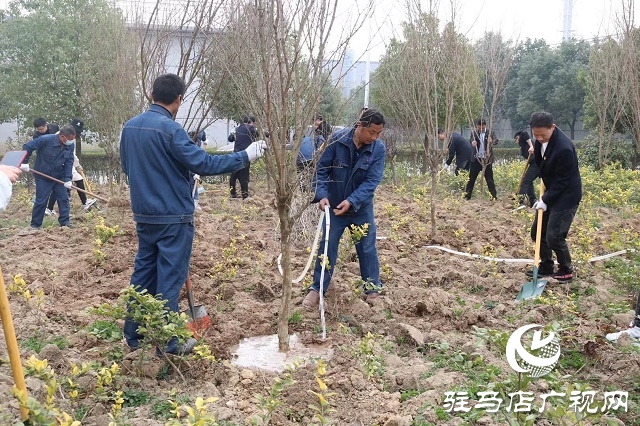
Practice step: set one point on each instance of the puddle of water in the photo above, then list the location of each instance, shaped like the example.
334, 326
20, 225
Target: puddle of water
261, 352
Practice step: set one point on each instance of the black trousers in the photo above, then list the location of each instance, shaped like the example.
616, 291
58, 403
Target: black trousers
474, 171
243, 176
555, 228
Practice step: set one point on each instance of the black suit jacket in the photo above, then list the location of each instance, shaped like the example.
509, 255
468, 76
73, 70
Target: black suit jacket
475, 136
461, 149
559, 171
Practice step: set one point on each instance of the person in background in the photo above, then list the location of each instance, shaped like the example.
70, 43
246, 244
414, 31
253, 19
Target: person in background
527, 193
41, 127
460, 148
78, 181
244, 135
199, 138
8, 176
55, 159
482, 143
347, 175
157, 155
311, 143
556, 156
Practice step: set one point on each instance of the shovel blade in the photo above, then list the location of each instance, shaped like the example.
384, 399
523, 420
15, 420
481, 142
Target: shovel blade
531, 289
201, 323
199, 311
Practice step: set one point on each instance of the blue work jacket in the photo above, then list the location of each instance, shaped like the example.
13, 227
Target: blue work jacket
339, 176
53, 159
156, 154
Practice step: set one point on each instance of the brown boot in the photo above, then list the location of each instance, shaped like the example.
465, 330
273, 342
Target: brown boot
372, 298
311, 300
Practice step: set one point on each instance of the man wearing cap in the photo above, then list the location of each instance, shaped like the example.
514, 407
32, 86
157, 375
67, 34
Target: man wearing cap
482, 143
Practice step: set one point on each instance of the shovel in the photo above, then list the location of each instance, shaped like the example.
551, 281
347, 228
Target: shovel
199, 321
536, 287
12, 346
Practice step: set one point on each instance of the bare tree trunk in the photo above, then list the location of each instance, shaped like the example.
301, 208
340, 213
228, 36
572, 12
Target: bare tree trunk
433, 195
285, 302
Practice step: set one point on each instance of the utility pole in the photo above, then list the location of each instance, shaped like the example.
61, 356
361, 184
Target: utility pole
566, 22
367, 70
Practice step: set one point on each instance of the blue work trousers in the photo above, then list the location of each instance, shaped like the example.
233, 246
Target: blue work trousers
161, 267
45, 188
365, 248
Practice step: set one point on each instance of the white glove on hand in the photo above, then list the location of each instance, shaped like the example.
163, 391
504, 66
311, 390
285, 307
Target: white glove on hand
196, 177
256, 150
24, 167
68, 185
540, 205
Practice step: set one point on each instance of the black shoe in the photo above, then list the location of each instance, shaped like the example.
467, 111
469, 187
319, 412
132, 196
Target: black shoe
185, 348
563, 277
541, 273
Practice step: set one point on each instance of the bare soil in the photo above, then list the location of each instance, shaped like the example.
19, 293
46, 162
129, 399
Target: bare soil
430, 297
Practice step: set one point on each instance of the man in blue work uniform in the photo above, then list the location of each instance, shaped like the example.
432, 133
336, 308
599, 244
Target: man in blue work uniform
347, 175
55, 159
157, 155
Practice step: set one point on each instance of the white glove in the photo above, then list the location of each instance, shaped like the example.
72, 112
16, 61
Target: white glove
24, 167
540, 205
196, 177
68, 185
256, 150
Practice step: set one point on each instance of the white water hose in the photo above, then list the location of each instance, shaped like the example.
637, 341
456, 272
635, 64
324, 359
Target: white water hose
327, 226
498, 259
324, 214
311, 254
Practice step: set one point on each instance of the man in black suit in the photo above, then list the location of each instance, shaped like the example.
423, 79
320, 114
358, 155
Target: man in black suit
482, 143
460, 148
556, 156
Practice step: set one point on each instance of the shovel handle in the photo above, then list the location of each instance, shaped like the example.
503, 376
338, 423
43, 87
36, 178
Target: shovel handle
536, 258
74, 187
12, 345
192, 306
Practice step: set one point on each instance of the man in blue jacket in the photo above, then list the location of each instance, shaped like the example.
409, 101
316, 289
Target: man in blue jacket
157, 154
556, 156
55, 159
347, 175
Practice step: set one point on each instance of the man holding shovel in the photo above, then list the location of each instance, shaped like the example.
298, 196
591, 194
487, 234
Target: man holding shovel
54, 159
157, 155
556, 156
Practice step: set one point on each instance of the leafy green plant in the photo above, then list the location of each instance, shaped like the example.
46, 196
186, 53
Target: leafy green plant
157, 323
296, 317
39, 341
197, 415
105, 330
269, 403
372, 363
323, 408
